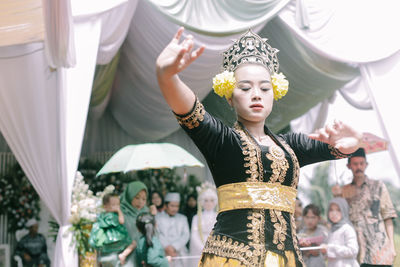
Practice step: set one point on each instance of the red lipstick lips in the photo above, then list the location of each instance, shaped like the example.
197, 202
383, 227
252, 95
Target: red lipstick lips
256, 106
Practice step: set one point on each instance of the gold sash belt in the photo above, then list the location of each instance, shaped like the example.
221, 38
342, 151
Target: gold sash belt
256, 195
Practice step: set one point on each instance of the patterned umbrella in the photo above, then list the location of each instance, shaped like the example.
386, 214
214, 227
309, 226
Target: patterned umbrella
373, 143
149, 156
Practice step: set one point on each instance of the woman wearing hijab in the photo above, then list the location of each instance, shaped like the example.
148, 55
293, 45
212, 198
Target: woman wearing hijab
133, 202
342, 247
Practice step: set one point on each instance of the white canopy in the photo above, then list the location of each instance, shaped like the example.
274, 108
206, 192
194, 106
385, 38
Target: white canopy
324, 46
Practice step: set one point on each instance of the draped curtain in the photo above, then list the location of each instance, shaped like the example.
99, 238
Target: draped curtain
44, 110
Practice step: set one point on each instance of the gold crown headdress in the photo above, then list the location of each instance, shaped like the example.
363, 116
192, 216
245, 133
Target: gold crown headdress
249, 48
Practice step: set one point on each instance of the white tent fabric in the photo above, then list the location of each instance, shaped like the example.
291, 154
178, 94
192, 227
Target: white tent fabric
383, 88
59, 16
59, 40
314, 119
43, 120
138, 91
33, 123
355, 94
211, 17
115, 17
44, 116
338, 29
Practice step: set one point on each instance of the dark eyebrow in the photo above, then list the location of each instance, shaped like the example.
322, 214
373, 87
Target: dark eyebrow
247, 81
244, 81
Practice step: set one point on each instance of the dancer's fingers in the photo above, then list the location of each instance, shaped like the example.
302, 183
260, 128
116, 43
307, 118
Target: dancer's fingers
197, 52
178, 34
331, 130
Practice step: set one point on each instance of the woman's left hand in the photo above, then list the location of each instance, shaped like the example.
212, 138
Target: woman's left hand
339, 135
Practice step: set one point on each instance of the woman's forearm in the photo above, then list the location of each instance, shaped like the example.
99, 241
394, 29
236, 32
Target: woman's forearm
177, 94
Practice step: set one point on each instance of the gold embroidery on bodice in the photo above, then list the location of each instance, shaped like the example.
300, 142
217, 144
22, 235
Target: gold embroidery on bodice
254, 254
279, 164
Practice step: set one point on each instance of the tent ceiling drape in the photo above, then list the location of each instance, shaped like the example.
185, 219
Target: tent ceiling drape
219, 18
320, 53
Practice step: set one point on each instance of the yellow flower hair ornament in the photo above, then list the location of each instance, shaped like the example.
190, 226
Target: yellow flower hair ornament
280, 85
224, 83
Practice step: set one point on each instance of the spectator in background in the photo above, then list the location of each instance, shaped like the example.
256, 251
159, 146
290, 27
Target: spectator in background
203, 222
371, 212
109, 235
173, 229
313, 234
157, 199
190, 208
342, 247
133, 202
32, 247
149, 251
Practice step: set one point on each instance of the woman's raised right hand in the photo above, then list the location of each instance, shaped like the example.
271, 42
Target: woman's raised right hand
177, 55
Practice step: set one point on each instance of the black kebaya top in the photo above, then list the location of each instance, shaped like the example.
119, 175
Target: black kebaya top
234, 157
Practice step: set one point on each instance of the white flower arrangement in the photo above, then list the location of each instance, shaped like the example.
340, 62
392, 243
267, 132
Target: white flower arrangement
85, 206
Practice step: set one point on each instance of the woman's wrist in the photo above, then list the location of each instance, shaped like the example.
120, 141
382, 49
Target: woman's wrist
165, 78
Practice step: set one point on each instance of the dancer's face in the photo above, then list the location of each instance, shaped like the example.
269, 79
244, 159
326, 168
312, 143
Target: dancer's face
253, 96
139, 200
334, 213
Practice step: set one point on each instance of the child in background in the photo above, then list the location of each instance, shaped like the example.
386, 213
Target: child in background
313, 234
149, 251
342, 247
109, 236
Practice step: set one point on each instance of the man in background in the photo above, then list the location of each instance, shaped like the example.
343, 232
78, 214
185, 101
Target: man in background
32, 247
371, 212
173, 229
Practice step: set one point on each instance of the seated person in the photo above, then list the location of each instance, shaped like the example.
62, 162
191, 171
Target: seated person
32, 247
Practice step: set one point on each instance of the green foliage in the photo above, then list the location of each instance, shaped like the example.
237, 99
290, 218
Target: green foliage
18, 199
80, 236
53, 230
89, 169
397, 246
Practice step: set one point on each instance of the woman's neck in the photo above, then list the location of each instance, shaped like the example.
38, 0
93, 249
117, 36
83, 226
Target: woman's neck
256, 129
